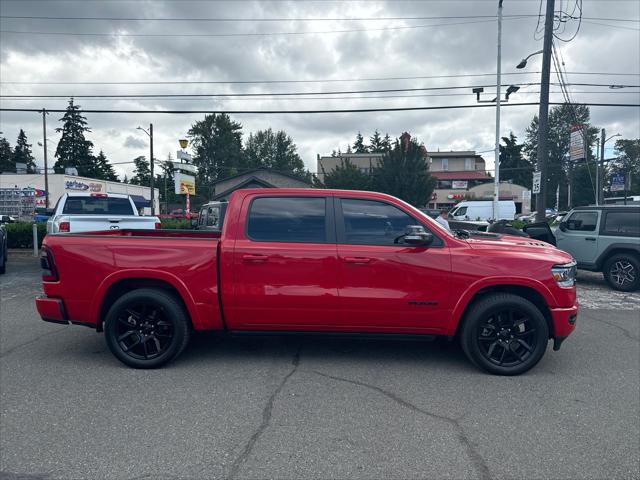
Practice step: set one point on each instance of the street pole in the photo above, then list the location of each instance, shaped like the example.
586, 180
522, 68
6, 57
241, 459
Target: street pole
496, 180
543, 115
153, 202
600, 189
46, 164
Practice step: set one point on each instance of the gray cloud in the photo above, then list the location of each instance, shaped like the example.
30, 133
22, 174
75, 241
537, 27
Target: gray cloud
135, 143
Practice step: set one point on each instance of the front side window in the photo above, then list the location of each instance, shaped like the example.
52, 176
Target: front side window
202, 217
622, 223
461, 211
212, 217
288, 219
367, 222
582, 221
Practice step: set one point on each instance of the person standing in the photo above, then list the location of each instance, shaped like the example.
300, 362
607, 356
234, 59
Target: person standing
442, 219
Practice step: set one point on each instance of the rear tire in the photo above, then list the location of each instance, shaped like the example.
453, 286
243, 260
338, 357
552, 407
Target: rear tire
146, 328
622, 272
3, 265
504, 334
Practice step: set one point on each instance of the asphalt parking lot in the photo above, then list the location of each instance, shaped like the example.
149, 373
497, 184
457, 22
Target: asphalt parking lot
285, 407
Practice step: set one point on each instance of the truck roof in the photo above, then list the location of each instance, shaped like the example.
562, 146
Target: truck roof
87, 194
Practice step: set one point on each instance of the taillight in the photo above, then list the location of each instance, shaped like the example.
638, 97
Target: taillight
158, 225
64, 227
49, 271
99, 195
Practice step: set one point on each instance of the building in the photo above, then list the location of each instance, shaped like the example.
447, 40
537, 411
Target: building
59, 184
461, 175
257, 178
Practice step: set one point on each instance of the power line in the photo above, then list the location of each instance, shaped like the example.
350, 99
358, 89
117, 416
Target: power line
349, 110
325, 80
297, 94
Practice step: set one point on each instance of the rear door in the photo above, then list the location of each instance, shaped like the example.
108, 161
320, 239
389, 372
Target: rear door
284, 265
384, 284
579, 237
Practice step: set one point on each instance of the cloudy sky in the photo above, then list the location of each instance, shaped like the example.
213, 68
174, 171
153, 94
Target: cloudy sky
116, 46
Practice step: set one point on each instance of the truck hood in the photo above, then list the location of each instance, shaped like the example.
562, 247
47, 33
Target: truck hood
523, 245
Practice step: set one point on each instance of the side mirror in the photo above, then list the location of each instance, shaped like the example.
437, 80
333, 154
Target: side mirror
417, 235
563, 226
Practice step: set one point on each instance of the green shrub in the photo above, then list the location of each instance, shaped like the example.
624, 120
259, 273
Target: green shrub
175, 224
20, 234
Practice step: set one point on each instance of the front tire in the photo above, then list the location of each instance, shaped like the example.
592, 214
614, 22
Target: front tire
504, 334
146, 328
622, 272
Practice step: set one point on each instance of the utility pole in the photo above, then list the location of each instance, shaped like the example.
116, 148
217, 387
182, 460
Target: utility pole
153, 201
543, 116
496, 181
600, 184
46, 164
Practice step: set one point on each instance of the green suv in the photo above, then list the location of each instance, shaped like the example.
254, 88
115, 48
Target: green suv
601, 239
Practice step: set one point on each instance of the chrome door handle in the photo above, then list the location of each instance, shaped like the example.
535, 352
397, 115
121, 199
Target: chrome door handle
590, 239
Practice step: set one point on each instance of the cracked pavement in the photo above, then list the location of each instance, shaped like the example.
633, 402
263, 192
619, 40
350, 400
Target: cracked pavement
291, 407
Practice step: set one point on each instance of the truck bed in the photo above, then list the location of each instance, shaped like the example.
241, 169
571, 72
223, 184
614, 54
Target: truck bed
96, 264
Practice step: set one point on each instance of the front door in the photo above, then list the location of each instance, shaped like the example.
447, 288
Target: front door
384, 284
579, 236
285, 265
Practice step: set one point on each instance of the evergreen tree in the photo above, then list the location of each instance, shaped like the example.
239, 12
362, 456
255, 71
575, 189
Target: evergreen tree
142, 171
125, 179
347, 176
387, 144
104, 170
217, 145
358, 145
22, 153
74, 150
6, 157
513, 166
376, 143
405, 174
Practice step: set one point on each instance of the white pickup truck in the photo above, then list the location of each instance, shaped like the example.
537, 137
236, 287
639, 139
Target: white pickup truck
90, 212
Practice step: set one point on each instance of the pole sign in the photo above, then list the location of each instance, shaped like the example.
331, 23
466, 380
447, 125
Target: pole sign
185, 184
617, 182
576, 147
185, 167
182, 155
537, 178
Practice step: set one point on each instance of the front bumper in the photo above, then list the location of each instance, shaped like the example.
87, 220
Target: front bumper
564, 322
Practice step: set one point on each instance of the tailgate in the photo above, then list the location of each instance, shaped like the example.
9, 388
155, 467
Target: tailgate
93, 223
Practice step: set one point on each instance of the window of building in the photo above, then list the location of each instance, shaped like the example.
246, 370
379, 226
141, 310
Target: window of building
444, 183
445, 164
582, 221
469, 164
287, 219
367, 222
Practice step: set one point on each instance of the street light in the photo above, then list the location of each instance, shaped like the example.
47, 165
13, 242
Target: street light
523, 62
151, 181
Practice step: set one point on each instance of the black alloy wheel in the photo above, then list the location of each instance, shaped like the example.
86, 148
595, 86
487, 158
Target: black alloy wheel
504, 334
622, 272
146, 328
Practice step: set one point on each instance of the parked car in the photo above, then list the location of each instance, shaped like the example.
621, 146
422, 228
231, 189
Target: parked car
483, 210
87, 212
313, 260
603, 239
4, 250
7, 219
211, 216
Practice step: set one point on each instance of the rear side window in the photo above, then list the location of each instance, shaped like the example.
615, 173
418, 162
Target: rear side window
98, 206
622, 223
288, 219
367, 222
582, 221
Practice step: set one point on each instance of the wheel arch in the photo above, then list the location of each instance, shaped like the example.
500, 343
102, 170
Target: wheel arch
615, 249
117, 285
524, 291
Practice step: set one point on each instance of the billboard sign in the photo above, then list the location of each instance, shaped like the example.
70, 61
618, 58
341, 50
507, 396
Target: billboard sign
459, 184
185, 184
576, 146
617, 182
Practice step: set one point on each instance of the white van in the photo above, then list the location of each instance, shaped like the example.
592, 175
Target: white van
483, 210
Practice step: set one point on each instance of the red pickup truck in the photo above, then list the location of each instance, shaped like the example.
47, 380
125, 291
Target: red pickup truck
311, 260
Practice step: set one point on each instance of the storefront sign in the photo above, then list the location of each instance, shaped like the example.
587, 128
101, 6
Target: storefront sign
185, 184
459, 184
83, 186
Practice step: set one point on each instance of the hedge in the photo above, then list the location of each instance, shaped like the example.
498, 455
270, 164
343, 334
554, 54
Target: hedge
176, 224
20, 234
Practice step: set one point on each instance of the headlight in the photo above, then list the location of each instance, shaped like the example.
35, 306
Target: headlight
565, 275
